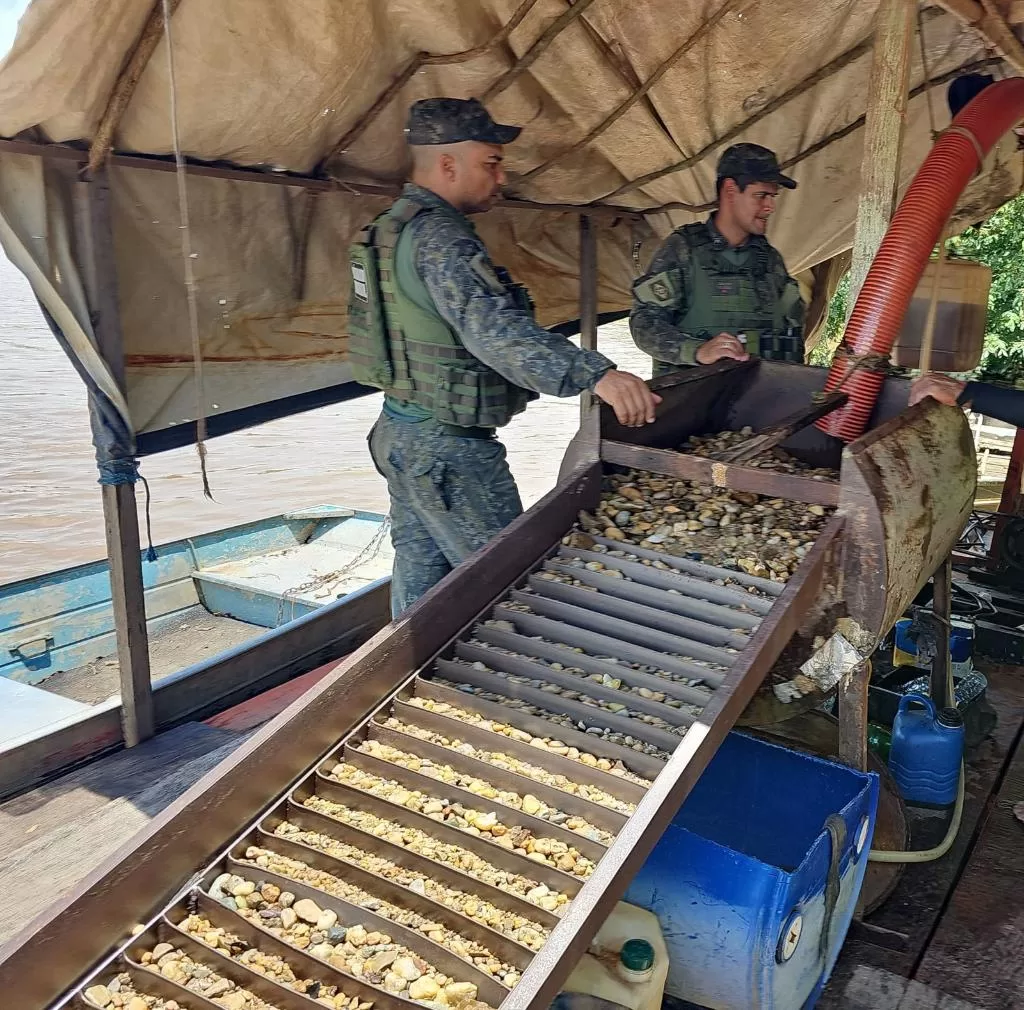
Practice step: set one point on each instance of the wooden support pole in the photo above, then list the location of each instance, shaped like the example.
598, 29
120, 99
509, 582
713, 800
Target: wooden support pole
853, 717
942, 608
883, 135
588, 298
120, 517
121, 523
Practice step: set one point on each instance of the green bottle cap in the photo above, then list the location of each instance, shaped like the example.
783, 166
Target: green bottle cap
637, 955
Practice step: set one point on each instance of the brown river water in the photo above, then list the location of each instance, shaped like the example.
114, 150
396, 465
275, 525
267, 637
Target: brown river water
50, 514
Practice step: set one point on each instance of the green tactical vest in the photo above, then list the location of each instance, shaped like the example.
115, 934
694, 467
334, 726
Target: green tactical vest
723, 297
400, 343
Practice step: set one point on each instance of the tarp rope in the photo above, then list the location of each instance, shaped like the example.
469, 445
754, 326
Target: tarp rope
126, 471
188, 256
927, 75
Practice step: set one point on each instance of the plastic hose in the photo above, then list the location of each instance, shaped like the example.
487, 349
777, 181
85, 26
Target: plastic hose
907, 246
927, 855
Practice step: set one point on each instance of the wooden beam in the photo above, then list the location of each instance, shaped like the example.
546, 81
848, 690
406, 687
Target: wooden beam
159, 163
128, 79
524, 62
883, 138
121, 525
588, 299
121, 521
987, 20
942, 608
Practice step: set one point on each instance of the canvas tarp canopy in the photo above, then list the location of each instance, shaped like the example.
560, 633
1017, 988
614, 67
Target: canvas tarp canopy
321, 88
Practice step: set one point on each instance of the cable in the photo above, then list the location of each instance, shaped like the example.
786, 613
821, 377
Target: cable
928, 855
187, 256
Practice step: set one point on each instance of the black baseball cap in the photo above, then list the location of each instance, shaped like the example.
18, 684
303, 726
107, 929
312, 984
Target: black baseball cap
752, 163
453, 121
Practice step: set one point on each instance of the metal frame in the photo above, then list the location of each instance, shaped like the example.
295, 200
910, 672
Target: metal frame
138, 883
132, 887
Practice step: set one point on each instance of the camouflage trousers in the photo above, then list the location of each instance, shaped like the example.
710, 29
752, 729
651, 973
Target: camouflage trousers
449, 497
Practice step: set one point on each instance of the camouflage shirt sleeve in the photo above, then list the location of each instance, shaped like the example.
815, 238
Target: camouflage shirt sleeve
462, 282
659, 302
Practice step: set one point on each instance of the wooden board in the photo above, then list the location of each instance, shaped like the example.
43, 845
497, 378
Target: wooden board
875, 989
977, 952
54, 835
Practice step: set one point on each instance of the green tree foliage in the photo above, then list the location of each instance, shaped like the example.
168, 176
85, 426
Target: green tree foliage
824, 350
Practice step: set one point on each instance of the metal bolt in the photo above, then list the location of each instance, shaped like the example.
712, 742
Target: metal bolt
790, 937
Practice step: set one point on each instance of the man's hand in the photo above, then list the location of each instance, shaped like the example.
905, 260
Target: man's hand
628, 396
725, 345
936, 385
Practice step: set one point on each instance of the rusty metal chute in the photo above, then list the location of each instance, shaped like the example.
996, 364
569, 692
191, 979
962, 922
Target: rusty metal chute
868, 562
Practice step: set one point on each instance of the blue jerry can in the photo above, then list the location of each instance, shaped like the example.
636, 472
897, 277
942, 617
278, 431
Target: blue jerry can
755, 880
927, 747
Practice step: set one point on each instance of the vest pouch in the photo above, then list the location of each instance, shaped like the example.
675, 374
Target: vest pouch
369, 349
473, 397
787, 346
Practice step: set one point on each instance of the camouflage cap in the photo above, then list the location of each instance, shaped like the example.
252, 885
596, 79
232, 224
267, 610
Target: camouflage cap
454, 120
752, 163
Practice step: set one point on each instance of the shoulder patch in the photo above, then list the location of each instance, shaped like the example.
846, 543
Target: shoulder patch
659, 289
480, 264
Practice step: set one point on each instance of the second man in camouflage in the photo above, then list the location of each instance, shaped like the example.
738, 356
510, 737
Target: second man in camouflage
718, 289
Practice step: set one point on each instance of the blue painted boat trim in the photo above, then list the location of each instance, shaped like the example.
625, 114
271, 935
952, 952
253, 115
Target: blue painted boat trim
63, 620
208, 687
263, 608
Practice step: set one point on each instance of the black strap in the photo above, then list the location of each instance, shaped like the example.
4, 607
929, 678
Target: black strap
836, 828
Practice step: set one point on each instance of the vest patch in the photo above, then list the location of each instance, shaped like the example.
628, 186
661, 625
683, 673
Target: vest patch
359, 282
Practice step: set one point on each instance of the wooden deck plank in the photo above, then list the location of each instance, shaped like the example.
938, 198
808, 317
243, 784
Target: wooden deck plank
874, 989
910, 916
977, 952
52, 836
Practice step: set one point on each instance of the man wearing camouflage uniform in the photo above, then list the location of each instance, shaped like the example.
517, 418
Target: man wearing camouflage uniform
717, 289
453, 343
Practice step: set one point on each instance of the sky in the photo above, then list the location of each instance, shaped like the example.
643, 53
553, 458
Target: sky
10, 11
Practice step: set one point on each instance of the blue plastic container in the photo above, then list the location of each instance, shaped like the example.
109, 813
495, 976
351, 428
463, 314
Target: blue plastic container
961, 645
738, 880
927, 748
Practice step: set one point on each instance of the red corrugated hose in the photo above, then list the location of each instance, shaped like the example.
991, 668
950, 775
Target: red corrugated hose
904, 253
